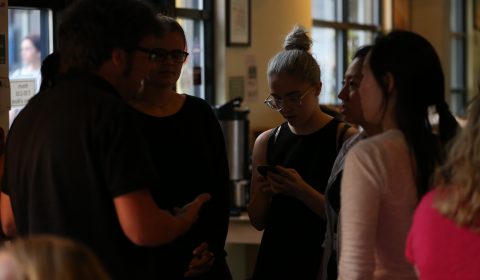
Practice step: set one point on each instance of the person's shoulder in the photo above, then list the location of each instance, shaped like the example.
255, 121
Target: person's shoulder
197, 101
199, 106
368, 151
16, 73
425, 209
366, 146
353, 139
262, 138
388, 141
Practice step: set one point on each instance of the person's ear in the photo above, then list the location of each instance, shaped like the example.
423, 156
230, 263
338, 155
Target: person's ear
318, 88
389, 81
119, 57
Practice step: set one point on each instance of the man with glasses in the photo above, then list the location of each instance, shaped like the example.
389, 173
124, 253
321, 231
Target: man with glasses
76, 162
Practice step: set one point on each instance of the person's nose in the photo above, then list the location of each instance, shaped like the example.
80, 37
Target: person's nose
168, 59
285, 107
342, 95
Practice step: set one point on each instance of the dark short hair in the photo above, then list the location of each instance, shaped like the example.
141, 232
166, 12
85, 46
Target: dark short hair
362, 52
170, 24
50, 70
35, 39
92, 29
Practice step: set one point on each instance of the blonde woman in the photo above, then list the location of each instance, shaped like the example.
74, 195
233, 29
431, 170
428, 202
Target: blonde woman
49, 257
288, 202
444, 240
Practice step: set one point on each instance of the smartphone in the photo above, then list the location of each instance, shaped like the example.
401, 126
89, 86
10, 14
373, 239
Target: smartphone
264, 169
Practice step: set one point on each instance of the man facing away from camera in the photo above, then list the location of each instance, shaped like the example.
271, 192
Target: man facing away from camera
76, 165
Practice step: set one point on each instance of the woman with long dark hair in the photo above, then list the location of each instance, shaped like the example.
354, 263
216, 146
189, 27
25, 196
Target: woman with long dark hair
386, 175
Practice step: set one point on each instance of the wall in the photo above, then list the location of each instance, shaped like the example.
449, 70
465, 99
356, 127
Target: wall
435, 13
271, 21
429, 19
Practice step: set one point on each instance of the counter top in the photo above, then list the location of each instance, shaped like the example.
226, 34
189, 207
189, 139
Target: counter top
240, 231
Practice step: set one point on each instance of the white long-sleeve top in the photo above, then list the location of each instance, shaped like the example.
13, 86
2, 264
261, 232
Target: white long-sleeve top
378, 198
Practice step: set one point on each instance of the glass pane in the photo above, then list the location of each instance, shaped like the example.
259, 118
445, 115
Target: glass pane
361, 11
192, 78
457, 60
356, 39
457, 19
189, 4
28, 45
325, 51
324, 9
458, 102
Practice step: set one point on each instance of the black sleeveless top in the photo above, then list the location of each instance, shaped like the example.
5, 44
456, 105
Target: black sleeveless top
291, 246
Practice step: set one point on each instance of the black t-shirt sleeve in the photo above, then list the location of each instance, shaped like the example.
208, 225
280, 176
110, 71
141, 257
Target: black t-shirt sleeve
124, 155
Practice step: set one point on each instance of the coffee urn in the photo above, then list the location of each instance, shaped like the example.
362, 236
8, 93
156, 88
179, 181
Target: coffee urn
233, 119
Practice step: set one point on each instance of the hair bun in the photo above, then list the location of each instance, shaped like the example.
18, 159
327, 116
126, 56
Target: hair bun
297, 39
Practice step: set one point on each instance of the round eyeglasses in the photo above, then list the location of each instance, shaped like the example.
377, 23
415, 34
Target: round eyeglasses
276, 103
157, 54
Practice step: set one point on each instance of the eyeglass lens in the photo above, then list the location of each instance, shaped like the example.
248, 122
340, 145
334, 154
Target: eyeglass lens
177, 56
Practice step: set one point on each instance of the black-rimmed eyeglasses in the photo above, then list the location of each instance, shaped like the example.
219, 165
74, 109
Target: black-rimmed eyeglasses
158, 54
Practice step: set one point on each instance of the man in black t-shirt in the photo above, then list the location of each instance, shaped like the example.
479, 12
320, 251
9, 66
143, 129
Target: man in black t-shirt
76, 164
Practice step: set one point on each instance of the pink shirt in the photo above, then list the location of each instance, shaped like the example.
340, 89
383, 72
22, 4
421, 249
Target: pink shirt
439, 248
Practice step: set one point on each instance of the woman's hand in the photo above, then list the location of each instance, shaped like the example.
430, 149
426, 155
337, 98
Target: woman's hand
264, 186
287, 182
201, 262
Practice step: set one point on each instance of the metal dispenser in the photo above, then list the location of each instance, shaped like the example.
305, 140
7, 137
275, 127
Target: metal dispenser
235, 125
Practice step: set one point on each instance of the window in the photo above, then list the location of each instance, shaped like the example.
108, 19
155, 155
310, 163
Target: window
458, 92
29, 42
195, 16
339, 28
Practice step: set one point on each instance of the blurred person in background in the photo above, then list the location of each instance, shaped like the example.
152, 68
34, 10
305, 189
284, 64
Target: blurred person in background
40, 257
31, 57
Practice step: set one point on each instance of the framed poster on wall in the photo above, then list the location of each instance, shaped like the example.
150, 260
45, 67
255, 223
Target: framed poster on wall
238, 22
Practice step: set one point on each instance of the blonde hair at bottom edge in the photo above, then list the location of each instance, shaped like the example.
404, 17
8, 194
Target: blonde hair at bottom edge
458, 178
49, 257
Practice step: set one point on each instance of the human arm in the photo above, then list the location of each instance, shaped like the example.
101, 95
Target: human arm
351, 131
260, 191
363, 177
8, 221
147, 225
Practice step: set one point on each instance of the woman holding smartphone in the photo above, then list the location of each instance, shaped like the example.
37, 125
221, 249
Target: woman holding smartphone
288, 206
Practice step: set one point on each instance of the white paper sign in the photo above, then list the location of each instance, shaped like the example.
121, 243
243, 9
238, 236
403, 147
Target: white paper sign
21, 91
